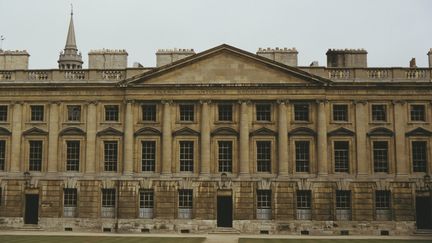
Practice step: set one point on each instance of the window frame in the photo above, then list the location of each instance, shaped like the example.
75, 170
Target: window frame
29, 157
309, 112
179, 112
6, 113
347, 115
31, 106
425, 112
348, 153
117, 162
180, 159
411, 154
105, 113
80, 116
296, 159
218, 113
155, 155
3, 154
268, 113
271, 154
156, 112
388, 155
67, 141
386, 110
230, 160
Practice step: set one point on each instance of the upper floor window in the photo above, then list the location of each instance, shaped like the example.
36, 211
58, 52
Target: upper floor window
185, 203
417, 113
380, 156
302, 156
111, 113
186, 156
74, 113
149, 112
3, 113
263, 112
341, 156
187, 112
225, 156
225, 112
35, 155
146, 203
72, 155
2, 154
301, 112
37, 112
419, 156
110, 155
340, 112
264, 204
148, 160
70, 198
263, 155
379, 113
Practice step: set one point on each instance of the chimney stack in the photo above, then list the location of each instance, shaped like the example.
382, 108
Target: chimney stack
14, 60
412, 63
430, 57
167, 56
287, 56
347, 58
107, 59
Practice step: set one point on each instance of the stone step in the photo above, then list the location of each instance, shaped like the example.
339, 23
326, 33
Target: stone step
423, 232
30, 228
223, 230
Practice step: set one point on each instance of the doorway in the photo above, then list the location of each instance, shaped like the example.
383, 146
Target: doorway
423, 213
31, 209
224, 211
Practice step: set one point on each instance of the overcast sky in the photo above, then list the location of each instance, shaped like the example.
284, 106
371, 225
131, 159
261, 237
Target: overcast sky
392, 31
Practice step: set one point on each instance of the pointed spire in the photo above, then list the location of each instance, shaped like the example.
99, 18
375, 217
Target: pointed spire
70, 58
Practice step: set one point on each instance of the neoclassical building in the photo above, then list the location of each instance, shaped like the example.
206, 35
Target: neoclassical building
222, 139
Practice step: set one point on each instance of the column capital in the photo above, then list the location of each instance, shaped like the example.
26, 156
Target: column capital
399, 102
168, 102
363, 102
321, 101
283, 101
205, 101
92, 102
248, 102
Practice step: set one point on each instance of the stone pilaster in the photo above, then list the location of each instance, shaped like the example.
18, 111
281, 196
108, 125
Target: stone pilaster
361, 121
166, 138
322, 138
91, 137
53, 137
399, 129
128, 139
282, 138
205, 138
244, 138
16, 137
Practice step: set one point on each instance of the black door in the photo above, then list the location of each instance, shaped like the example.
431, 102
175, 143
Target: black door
31, 209
224, 211
423, 213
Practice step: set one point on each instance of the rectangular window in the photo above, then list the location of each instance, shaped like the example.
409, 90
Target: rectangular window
341, 156
1, 193
149, 112
186, 156
146, 202
225, 156
110, 155
35, 155
263, 112
225, 112
340, 112
69, 202
264, 204
108, 203
263, 156
148, 161
37, 112
418, 113
74, 113
301, 112
187, 113
112, 113
185, 203
3, 113
2, 154
382, 205
419, 156
302, 156
72, 155
304, 204
343, 205
380, 156
379, 113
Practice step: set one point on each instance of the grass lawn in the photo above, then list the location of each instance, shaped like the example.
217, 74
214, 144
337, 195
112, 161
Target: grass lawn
93, 239
243, 240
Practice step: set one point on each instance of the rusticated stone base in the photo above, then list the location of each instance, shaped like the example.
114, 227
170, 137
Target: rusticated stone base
205, 226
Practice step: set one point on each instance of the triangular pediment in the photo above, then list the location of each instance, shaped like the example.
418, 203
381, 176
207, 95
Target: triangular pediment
186, 131
263, 131
110, 132
72, 131
148, 131
34, 131
224, 131
4, 132
302, 131
419, 131
380, 131
341, 132
225, 64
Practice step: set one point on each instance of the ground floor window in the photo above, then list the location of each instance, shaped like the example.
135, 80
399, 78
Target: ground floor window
304, 203
264, 204
185, 205
70, 196
146, 203
343, 205
108, 203
382, 205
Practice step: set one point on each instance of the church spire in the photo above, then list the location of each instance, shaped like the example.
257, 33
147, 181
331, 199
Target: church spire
70, 58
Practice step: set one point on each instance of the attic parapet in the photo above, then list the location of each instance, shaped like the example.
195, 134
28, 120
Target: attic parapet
167, 56
287, 56
14, 59
108, 59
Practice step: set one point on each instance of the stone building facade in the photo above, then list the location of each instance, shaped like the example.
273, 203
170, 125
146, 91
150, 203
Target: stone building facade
219, 139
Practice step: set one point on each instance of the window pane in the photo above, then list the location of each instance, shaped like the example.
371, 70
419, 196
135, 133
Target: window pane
108, 198
418, 113
70, 197
225, 112
301, 112
302, 156
343, 199
3, 112
225, 156
419, 156
185, 198
148, 155
110, 155
35, 155
380, 156
149, 112
263, 199
2, 154
304, 199
379, 113
340, 112
263, 156
111, 113
186, 156
146, 199
74, 112
186, 112
382, 199
263, 112
72, 155
37, 112
341, 156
